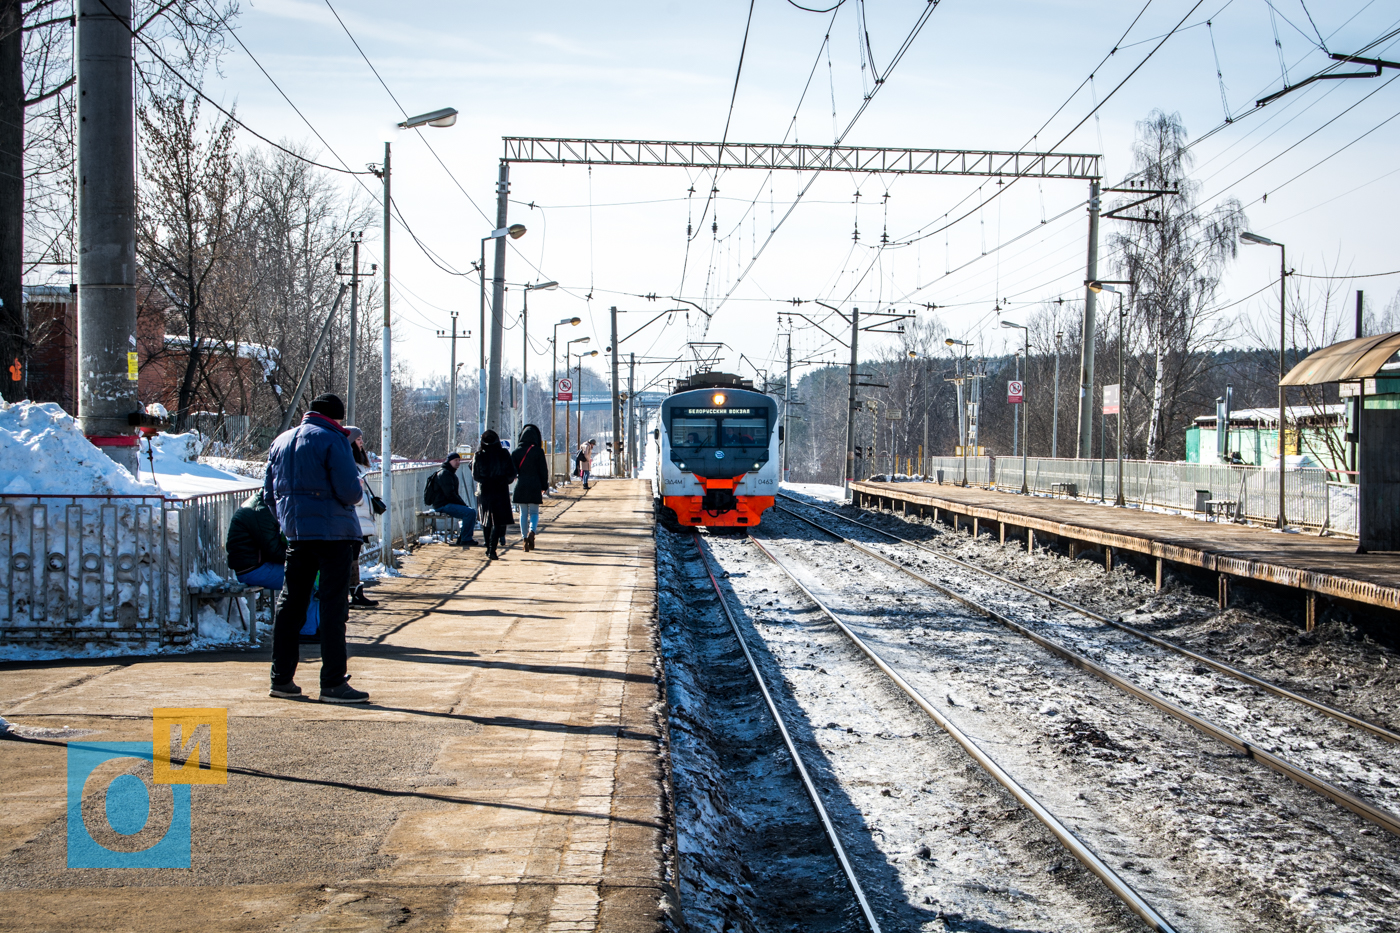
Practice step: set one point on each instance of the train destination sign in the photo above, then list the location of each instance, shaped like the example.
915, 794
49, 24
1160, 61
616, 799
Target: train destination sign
749, 412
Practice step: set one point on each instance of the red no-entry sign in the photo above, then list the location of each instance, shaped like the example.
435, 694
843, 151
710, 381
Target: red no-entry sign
564, 390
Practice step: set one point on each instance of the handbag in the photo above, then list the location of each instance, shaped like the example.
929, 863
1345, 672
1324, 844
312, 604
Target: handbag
377, 504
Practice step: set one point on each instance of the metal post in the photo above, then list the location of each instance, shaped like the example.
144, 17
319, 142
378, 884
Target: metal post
107, 361
1122, 399
568, 448
386, 414
1016, 414
1055, 415
14, 356
631, 416
616, 400
1085, 446
1282, 392
554, 393
1026, 421
578, 409
481, 343
351, 379
498, 298
787, 408
851, 408
452, 390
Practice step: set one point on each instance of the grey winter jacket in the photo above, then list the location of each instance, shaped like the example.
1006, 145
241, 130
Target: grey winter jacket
312, 483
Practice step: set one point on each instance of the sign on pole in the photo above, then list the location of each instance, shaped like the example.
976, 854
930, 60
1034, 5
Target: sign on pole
1110, 400
1015, 392
564, 390
894, 414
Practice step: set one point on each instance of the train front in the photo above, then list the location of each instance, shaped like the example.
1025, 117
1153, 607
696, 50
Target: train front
719, 456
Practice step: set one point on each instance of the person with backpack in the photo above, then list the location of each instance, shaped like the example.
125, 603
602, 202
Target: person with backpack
532, 480
312, 487
443, 494
494, 470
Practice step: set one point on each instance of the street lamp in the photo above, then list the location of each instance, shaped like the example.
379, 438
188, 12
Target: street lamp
578, 389
525, 349
554, 380
444, 117
1122, 395
1026, 436
1258, 240
515, 232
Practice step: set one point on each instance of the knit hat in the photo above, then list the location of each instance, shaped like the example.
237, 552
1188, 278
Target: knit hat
353, 433
329, 405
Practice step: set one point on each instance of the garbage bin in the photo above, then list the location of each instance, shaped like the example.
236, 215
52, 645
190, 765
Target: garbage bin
1202, 497
940, 477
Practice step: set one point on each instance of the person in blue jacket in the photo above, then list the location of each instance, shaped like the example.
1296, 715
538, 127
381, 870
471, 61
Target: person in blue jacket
312, 487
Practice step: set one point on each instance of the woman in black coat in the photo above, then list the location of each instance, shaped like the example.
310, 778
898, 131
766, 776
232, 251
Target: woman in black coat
494, 471
532, 479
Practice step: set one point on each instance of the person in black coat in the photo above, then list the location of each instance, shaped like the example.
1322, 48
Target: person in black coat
532, 479
494, 471
443, 493
257, 552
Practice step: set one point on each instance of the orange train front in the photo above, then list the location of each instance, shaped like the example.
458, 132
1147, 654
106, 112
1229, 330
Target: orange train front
719, 458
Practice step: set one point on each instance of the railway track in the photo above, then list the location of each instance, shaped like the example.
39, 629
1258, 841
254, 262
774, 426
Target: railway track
1379, 815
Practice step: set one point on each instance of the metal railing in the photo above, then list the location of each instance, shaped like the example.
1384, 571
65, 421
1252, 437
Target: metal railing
134, 569
1240, 491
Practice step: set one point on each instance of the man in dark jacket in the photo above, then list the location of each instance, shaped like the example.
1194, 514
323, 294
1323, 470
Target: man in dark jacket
312, 486
255, 546
443, 493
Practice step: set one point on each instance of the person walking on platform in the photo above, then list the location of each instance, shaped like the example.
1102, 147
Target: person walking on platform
365, 511
312, 486
443, 494
494, 471
585, 461
256, 550
532, 480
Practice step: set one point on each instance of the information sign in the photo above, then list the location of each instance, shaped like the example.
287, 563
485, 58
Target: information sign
1015, 392
1110, 400
564, 390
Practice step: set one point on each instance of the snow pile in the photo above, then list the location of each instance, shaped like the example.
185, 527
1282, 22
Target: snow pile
819, 491
178, 469
42, 451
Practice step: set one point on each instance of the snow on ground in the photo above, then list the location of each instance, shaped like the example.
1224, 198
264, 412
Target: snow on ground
180, 472
42, 451
818, 491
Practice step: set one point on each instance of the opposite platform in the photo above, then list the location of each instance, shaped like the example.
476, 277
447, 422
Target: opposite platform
509, 774
1312, 564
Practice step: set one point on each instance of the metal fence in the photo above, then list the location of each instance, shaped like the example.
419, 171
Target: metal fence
136, 569
1246, 492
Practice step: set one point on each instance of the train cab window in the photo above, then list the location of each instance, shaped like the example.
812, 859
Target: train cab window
744, 432
692, 432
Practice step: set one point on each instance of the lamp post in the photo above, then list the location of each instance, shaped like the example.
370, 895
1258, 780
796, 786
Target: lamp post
1026, 421
962, 409
525, 349
1256, 239
578, 391
515, 232
445, 117
554, 379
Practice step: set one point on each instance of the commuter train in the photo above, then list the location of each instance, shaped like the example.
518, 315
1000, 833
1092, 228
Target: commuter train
719, 457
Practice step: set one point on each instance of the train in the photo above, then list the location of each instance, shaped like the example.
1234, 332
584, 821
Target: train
719, 459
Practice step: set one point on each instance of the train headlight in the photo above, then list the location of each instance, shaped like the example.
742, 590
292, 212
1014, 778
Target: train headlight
718, 399
682, 466
757, 466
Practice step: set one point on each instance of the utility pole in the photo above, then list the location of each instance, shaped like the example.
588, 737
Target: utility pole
107, 361
616, 402
386, 393
632, 417
851, 407
498, 297
1085, 438
14, 336
1016, 411
787, 406
354, 364
1055, 414
452, 383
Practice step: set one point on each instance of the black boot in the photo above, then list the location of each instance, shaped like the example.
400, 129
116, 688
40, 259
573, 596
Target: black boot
360, 600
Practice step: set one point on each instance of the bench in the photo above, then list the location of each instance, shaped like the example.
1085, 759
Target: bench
234, 593
428, 522
1228, 507
1065, 489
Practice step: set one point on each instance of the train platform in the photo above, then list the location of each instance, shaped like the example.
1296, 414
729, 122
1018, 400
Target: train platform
508, 774
1312, 564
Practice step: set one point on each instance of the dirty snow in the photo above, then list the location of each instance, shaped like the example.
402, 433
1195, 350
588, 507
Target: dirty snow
42, 451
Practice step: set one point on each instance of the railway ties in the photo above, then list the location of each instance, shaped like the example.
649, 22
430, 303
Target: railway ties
1191, 824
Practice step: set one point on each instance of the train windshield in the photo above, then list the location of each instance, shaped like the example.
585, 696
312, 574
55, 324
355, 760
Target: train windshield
693, 432
744, 432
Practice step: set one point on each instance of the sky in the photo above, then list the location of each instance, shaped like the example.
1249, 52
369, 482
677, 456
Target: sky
1314, 170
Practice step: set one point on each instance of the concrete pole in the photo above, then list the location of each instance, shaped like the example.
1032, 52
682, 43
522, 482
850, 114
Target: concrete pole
1282, 370
1055, 412
1085, 446
632, 417
851, 408
452, 390
616, 401
14, 329
386, 396
1016, 412
525, 361
1122, 399
351, 377
106, 228
498, 297
787, 407
481, 344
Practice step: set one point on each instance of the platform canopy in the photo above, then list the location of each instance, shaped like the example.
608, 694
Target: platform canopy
1347, 361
